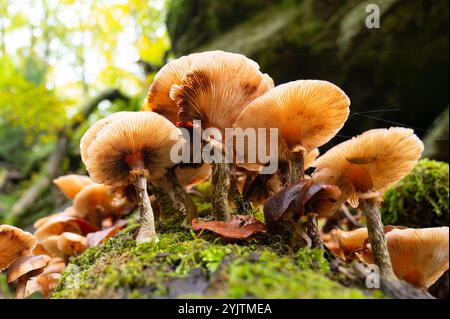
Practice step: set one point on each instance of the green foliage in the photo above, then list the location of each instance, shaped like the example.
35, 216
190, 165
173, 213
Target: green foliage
421, 199
27, 105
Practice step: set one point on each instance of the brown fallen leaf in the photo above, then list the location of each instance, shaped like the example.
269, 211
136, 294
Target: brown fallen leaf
238, 227
284, 209
98, 237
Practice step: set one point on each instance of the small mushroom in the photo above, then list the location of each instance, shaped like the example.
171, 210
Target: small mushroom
307, 114
419, 256
133, 150
25, 265
158, 97
215, 90
97, 202
72, 184
363, 168
70, 244
24, 268
57, 224
14, 242
45, 281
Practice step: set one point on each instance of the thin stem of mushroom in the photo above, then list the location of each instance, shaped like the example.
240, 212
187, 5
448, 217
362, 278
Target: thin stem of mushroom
313, 231
147, 232
221, 181
377, 239
296, 166
181, 195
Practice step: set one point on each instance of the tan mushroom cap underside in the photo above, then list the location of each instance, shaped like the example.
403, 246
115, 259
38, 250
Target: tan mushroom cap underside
25, 265
419, 256
217, 87
13, 243
147, 133
92, 132
158, 97
371, 161
307, 113
311, 157
72, 184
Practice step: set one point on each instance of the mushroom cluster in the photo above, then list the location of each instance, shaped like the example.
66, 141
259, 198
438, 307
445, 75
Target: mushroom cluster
34, 262
132, 160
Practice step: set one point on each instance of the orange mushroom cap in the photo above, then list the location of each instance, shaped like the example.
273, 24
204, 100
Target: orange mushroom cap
72, 184
145, 133
307, 114
70, 244
217, 87
14, 242
158, 97
25, 265
418, 256
96, 128
97, 201
370, 162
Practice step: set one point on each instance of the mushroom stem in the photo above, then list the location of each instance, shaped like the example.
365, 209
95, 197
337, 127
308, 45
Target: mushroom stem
377, 239
296, 165
312, 231
221, 181
180, 195
147, 232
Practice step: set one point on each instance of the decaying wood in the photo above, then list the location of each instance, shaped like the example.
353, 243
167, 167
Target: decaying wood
52, 169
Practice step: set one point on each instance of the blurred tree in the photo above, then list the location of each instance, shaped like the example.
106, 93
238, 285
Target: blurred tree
64, 64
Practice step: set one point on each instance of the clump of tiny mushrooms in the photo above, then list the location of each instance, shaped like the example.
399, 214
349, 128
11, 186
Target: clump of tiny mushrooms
128, 155
35, 261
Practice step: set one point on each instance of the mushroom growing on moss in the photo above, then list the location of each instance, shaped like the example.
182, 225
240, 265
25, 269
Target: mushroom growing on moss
133, 150
72, 184
215, 90
363, 168
14, 242
306, 113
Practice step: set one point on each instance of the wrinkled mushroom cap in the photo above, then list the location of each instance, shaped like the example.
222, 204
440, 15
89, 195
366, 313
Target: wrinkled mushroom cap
158, 97
419, 256
92, 132
72, 184
307, 113
370, 162
217, 87
25, 265
145, 133
13, 243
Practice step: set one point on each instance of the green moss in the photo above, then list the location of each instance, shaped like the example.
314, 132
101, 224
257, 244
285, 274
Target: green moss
182, 265
420, 199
